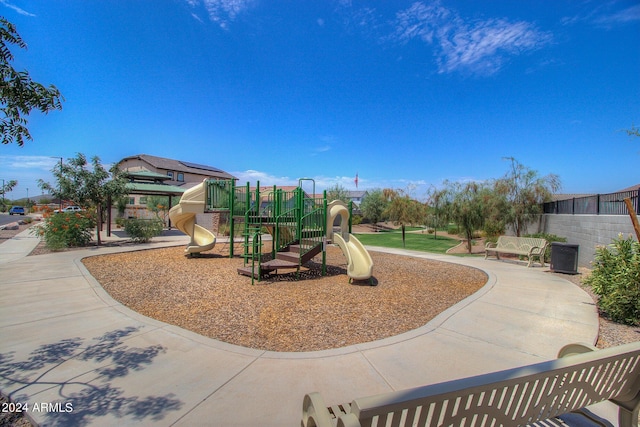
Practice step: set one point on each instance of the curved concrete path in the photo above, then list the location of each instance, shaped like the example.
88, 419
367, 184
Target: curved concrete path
75, 356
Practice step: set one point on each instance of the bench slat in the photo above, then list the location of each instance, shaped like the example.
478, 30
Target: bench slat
518, 396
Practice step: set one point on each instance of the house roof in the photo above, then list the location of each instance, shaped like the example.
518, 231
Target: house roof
146, 175
356, 194
151, 189
181, 166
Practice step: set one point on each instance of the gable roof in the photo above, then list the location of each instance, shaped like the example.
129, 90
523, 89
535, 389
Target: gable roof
181, 166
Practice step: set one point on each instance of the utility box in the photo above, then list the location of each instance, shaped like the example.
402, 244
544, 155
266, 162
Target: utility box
564, 258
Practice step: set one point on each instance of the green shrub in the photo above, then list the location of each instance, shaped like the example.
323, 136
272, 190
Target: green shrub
69, 229
142, 230
616, 280
549, 238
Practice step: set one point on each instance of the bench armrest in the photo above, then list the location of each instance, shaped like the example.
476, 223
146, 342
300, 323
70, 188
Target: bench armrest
315, 412
490, 245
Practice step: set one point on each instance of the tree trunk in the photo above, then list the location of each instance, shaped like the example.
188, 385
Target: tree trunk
99, 223
403, 242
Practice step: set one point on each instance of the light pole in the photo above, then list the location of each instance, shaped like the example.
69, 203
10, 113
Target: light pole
59, 182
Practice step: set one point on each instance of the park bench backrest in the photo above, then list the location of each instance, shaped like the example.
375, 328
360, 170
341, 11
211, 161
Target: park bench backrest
521, 243
513, 397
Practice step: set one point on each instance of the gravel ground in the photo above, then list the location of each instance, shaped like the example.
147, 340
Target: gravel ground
220, 303
206, 295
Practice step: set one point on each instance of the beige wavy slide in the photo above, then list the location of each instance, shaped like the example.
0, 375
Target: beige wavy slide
183, 216
359, 262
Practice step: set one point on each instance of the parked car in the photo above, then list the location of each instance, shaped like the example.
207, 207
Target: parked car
69, 209
16, 210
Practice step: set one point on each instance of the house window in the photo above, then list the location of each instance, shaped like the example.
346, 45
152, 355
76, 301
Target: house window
143, 200
132, 201
170, 175
180, 177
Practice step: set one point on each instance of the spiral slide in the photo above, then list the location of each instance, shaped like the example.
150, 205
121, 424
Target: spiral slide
183, 215
359, 262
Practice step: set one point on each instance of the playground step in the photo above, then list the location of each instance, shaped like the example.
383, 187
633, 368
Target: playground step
293, 254
289, 256
268, 267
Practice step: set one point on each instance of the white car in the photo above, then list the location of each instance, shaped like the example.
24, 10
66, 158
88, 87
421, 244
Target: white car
70, 209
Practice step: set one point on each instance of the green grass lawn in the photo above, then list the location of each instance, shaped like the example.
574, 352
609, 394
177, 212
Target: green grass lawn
414, 241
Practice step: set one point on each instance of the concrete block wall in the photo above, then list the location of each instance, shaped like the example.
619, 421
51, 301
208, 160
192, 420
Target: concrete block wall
588, 231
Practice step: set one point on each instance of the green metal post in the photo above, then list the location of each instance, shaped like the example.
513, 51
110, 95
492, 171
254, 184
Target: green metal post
350, 214
257, 217
276, 213
299, 212
324, 233
232, 198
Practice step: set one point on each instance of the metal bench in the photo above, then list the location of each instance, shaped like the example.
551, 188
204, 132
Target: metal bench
527, 395
530, 247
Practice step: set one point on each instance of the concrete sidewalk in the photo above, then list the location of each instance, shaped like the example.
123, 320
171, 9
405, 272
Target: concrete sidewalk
67, 344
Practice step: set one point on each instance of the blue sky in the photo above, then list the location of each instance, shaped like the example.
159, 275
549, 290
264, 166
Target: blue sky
405, 94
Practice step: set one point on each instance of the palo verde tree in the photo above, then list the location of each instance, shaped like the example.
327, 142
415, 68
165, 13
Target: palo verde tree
525, 192
88, 184
373, 205
18, 93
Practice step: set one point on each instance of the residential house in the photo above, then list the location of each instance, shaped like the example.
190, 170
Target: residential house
152, 175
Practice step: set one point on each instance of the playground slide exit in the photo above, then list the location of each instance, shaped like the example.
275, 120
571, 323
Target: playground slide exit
359, 262
183, 216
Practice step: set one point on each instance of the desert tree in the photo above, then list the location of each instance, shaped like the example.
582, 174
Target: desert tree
338, 192
525, 191
19, 94
88, 184
437, 208
403, 211
465, 205
373, 205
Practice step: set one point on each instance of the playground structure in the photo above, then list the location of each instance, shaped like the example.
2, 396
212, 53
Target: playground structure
300, 226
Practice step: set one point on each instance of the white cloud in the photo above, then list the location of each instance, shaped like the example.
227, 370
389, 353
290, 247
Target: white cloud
602, 16
265, 178
479, 46
45, 163
222, 12
629, 14
16, 8
416, 188
27, 170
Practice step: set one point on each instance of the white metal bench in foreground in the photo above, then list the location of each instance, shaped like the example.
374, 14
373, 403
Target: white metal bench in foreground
536, 393
530, 247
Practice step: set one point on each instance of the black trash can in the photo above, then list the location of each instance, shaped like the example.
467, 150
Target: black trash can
564, 258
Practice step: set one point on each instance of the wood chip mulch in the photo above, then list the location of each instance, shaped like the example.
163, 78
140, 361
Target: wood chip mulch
206, 295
